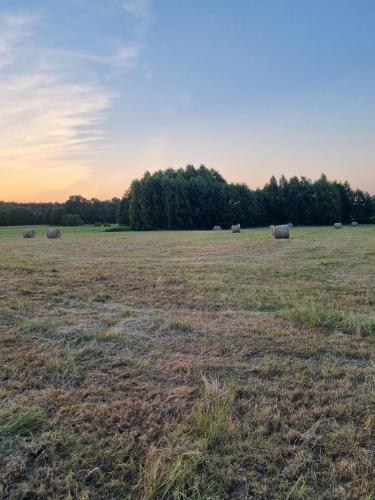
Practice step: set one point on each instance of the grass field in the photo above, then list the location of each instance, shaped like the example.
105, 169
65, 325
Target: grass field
187, 364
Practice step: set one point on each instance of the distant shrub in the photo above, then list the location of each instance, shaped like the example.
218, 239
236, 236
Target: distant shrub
98, 224
71, 220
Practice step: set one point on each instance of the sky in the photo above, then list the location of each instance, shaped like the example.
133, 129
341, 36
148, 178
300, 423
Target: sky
95, 92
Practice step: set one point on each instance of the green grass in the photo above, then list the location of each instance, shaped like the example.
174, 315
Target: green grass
354, 323
212, 418
22, 424
185, 364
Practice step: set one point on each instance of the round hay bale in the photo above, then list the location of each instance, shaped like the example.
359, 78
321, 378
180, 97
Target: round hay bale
236, 228
337, 225
281, 232
290, 225
217, 228
30, 233
354, 224
53, 234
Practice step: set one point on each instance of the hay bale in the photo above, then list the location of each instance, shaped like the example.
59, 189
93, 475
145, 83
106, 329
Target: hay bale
281, 232
337, 225
290, 225
217, 228
53, 234
236, 228
354, 224
30, 233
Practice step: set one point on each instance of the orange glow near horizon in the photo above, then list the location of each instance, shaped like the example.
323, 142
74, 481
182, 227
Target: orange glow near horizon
57, 183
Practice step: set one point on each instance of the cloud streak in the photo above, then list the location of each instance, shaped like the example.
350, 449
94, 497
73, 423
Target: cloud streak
138, 8
123, 58
49, 126
141, 12
51, 121
13, 30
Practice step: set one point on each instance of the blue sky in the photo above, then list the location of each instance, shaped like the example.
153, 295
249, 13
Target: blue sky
95, 92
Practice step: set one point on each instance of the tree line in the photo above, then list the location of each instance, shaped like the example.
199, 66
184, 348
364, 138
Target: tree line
199, 198
75, 211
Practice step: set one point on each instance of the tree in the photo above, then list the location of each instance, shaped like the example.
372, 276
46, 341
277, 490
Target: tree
327, 202
4, 216
123, 211
135, 205
199, 198
20, 215
274, 203
362, 207
347, 200
57, 214
78, 205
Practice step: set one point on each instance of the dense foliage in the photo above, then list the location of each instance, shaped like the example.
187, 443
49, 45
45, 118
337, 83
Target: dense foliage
199, 198
75, 211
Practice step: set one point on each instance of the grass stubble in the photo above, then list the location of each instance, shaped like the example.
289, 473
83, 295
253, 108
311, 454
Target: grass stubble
188, 365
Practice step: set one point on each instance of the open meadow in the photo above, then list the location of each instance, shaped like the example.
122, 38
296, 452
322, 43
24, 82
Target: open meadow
195, 364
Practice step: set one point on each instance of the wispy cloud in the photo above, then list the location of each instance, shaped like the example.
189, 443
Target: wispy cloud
13, 30
125, 57
141, 11
138, 8
49, 127
50, 118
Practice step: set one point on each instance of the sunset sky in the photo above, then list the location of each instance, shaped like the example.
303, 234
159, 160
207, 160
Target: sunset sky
95, 92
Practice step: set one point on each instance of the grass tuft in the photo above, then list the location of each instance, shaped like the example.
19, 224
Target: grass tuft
318, 316
20, 425
170, 471
212, 417
180, 325
185, 468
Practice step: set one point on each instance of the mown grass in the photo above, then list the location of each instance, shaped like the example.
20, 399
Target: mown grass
187, 364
